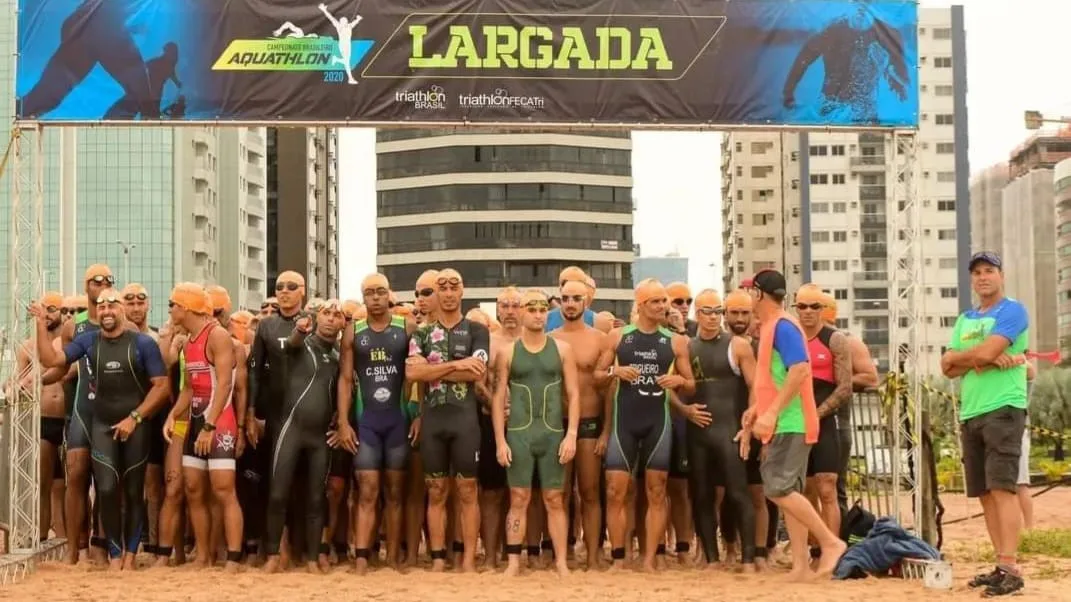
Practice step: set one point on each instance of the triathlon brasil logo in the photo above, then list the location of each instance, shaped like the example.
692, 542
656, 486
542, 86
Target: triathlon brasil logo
290, 48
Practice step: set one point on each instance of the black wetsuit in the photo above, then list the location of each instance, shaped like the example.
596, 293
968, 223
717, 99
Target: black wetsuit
301, 441
266, 387
121, 370
711, 450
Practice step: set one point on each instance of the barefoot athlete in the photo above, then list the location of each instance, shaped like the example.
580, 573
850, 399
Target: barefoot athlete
540, 373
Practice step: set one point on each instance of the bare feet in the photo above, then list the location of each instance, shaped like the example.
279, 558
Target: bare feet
799, 575
314, 568
161, 562
685, 559
360, 566
513, 567
231, 567
748, 567
438, 565
129, 562
273, 565
652, 567
760, 565
563, 569
115, 564
830, 557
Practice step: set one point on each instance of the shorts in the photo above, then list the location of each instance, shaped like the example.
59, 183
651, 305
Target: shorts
1024, 459
490, 474
383, 440
531, 447
590, 428
640, 442
678, 452
753, 463
992, 447
339, 463
157, 443
52, 430
825, 455
785, 465
450, 442
224, 440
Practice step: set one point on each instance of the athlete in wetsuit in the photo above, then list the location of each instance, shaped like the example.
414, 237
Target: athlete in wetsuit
267, 384
374, 353
540, 373
647, 362
831, 369
301, 443
129, 384
724, 367
450, 355
208, 463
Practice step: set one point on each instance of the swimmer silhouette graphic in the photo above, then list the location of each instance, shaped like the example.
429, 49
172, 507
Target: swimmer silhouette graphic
857, 52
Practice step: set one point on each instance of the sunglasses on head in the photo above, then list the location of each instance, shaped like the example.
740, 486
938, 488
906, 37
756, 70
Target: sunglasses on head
425, 292
287, 286
710, 311
452, 281
803, 306
537, 306
132, 296
682, 301
102, 279
573, 298
52, 308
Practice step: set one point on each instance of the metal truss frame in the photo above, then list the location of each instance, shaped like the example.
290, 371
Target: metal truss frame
906, 294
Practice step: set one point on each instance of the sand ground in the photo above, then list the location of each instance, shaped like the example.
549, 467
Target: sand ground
1047, 579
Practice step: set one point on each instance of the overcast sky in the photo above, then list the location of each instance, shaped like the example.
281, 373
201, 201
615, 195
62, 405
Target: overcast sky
1013, 53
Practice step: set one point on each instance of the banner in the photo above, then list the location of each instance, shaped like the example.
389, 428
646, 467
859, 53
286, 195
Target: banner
635, 63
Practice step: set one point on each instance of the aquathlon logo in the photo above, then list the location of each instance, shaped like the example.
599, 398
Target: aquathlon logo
290, 48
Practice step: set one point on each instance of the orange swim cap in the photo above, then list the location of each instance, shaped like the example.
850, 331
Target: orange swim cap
52, 299
375, 281
98, 270
221, 299
478, 315
134, 289
648, 290
361, 313
572, 273
680, 290
349, 307
706, 298
829, 312
403, 309
191, 297
239, 325
738, 299
809, 293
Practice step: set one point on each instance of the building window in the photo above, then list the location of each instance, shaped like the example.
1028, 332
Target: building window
946, 176
758, 266
946, 148
819, 207
943, 90
946, 205
840, 294
820, 236
761, 171
840, 207
942, 62
948, 263
842, 323
840, 265
946, 119
942, 33
838, 178
739, 195
948, 292
821, 265
949, 234
740, 170
840, 236
819, 151
948, 321
819, 178
837, 150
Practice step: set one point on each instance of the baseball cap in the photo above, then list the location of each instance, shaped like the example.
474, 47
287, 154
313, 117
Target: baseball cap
747, 283
985, 257
770, 282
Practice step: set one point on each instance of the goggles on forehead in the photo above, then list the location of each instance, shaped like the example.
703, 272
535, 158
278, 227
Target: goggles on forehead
452, 280
537, 304
132, 296
101, 300
98, 279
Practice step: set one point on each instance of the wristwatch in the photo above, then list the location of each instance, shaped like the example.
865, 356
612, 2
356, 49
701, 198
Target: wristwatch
208, 427
136, 416
610, 371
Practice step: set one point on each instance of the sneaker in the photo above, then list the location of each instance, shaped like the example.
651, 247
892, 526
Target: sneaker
985, 579
1007, 585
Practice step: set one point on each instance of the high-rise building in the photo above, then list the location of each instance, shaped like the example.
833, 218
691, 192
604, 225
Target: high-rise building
302, 207
1029, 252
986, 203
816, 206
1062, 191
506, 208
243, 214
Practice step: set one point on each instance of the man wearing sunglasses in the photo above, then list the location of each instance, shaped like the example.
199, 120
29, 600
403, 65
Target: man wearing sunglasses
372, 391
129, 385
208, 460
540, 375
831, 369
450, 354
647, 361
266, 387
573, 274
680, 299
589, 347
53, 413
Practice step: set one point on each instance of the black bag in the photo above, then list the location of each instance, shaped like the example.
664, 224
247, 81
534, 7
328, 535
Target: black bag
857, 524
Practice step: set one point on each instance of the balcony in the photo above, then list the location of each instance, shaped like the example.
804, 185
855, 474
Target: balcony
202, 172
201, 247
254, 268
254, 235
254, 204
254, 173
874, 250
876, 337
873, 220
872, 192
876, 277
871, 307
868, 163
200, 208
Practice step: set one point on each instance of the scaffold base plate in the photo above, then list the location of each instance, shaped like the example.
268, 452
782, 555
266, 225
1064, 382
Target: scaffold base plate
18, 564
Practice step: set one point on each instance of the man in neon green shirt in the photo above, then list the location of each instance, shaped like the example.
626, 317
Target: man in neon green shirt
987, 351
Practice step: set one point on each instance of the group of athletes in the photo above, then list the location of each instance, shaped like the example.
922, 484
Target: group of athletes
317, 429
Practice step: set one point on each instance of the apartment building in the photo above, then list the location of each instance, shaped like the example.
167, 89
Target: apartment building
243, 215
1062, 190
987, 189
817, 205
302, 207
506, 208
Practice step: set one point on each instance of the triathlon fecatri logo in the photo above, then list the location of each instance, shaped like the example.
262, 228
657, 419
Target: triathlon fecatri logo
290, 48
